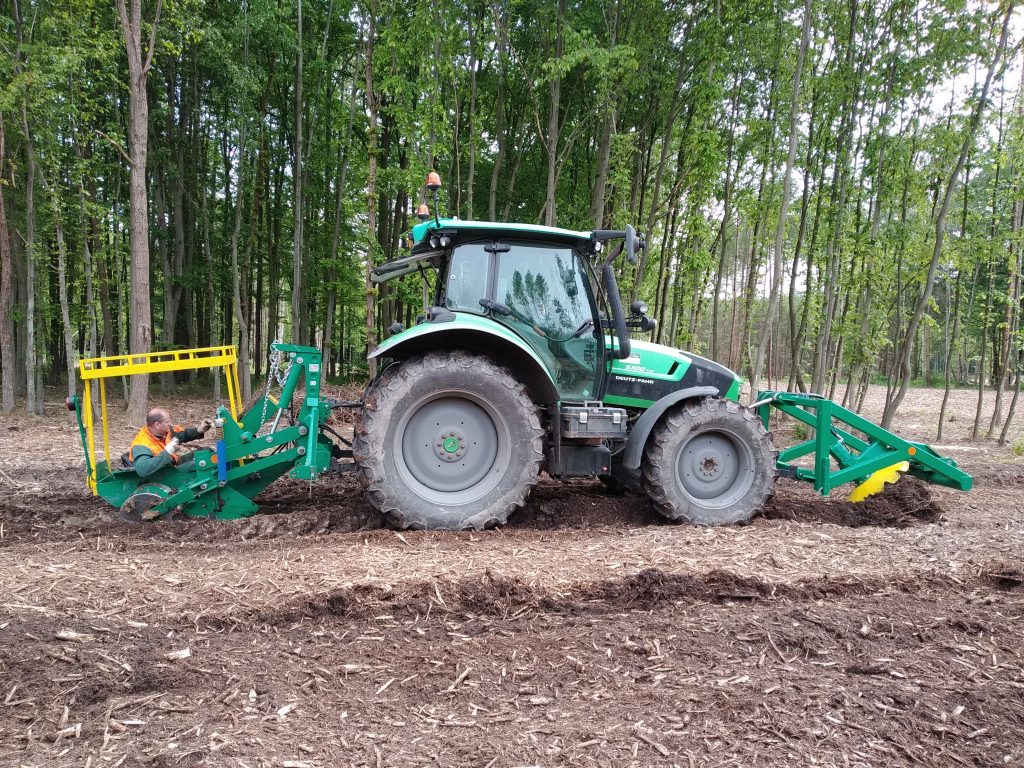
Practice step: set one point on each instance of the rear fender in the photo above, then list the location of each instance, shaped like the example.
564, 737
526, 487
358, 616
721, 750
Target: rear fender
634, 450
480, 335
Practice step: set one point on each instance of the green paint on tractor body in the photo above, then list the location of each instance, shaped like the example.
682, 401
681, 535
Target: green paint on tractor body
653, 371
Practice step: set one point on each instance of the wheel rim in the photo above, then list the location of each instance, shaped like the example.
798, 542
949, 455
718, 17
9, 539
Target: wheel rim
452, 447
715, 468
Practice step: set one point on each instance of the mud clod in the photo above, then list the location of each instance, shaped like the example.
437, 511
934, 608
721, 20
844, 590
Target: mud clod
1003, 575
901, 505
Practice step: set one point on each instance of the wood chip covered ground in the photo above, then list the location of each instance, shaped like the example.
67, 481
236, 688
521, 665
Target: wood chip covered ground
585, 633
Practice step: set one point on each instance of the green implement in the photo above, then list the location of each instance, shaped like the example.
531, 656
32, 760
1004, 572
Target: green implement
855, 458
276, 436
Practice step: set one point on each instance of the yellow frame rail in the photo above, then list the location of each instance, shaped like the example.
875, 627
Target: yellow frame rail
102, 368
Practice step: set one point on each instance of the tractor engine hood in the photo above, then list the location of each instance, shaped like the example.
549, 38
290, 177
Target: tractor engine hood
653, 371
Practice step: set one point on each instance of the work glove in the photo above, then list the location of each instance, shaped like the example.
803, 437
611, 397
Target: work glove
205, 425
172, 447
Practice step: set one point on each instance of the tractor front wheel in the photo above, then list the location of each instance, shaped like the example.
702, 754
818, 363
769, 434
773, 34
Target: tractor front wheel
449, 441
710, 462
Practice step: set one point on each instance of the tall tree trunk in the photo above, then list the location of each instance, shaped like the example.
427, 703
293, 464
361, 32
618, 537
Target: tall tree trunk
166, 271
554, 106
795, 328
986, 318
33, 396
6, 327
140, 316
474, 64
780, 229
716, 349
339, 198
940, 230
1017, 265
950, 346
297, 291
1000, 368
106, 261
86, 235
371, 195
211, 272
499, 110
62, 282
177, 130
240, 301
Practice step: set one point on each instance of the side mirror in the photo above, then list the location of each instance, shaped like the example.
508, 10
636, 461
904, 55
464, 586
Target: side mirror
638, 309
633, 244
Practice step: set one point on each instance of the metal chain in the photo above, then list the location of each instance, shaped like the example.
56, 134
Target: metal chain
273, 371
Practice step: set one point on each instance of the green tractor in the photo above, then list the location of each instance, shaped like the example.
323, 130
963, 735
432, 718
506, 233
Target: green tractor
525, 362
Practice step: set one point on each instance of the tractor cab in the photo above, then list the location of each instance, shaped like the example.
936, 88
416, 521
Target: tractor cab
546, 285
542, 292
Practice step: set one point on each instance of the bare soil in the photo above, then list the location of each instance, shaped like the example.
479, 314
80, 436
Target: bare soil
585, 632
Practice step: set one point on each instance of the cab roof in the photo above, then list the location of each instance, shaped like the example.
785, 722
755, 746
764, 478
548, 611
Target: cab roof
571, 237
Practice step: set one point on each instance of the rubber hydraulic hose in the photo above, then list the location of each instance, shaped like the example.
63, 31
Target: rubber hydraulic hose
612, 286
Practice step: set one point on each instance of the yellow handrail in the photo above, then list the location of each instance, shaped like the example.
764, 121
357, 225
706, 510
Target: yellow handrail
102, 368
156, 362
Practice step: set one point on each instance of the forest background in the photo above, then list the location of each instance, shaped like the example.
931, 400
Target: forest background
832, 190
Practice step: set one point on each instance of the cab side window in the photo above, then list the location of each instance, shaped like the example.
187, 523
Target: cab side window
468, 276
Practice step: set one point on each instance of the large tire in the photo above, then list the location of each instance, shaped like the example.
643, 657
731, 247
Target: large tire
449, 441
710, 462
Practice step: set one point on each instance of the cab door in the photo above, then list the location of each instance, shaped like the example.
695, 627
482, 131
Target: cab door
546, 290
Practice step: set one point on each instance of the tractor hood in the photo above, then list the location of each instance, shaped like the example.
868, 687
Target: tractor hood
653, 371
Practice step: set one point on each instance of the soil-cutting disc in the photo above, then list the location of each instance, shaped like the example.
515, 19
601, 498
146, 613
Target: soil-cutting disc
139, 506
877, 480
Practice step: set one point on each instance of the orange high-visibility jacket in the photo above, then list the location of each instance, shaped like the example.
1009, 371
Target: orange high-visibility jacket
146, 439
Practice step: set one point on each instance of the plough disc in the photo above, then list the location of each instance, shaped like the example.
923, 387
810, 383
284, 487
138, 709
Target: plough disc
877, 481
139, 506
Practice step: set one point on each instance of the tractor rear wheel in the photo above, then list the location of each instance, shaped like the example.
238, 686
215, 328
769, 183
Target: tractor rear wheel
710, 462
449, 441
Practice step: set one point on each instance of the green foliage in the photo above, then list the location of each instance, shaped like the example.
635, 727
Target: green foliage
696, 98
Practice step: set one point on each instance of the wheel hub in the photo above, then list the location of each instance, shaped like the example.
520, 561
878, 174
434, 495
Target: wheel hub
709, 466
450, 445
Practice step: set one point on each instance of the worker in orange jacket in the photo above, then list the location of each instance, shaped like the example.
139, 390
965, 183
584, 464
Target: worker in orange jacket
158, 443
